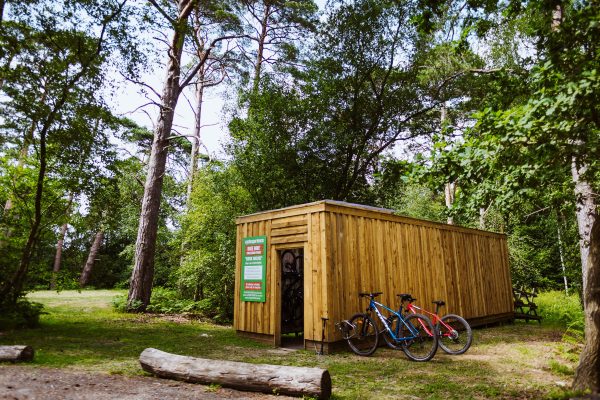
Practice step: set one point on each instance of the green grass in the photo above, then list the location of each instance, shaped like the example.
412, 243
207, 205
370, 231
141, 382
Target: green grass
81, 331
557, 308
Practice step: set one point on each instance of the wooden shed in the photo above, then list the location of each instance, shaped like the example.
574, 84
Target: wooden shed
300, 264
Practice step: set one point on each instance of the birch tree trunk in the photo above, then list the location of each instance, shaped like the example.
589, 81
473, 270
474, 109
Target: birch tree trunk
89, 264
140, 288
482, 213
449, 187
586, 213
587, 375
561, 254
196, 136
449, 191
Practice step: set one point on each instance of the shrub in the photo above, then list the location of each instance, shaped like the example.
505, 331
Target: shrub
165, 301
23, 314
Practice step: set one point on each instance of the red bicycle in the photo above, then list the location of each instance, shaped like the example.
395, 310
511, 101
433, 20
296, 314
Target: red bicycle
454, 333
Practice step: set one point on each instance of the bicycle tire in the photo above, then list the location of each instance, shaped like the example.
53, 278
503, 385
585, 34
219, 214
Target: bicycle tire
422, 345
392, 321
365, 338
459, 340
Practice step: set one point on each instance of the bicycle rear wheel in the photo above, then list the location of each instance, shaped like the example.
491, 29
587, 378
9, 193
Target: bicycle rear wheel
420, 343
456, 340
364, 337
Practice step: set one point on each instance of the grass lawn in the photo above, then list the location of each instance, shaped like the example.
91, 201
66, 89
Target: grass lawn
521, 361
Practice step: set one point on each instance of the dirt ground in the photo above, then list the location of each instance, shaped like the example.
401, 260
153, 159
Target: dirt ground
25, 383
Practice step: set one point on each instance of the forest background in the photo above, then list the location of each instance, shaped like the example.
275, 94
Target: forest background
477, 113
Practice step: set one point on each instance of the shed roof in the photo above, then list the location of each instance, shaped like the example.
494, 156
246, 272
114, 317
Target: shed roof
352, 208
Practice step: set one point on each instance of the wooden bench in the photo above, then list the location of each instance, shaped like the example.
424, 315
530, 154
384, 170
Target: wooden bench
525, 307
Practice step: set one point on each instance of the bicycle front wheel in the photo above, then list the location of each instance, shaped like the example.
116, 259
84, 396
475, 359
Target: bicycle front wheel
419, 340
364, 337
455, 335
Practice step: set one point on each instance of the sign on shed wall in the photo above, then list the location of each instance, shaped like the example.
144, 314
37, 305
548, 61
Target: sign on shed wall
254, 268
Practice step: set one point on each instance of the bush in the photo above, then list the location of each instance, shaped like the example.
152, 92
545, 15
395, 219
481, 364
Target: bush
167, 301
24, 314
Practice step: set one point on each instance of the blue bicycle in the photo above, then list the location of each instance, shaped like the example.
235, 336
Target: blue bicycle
405, 332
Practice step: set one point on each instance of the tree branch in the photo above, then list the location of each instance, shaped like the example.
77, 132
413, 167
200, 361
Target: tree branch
205, 56
172, 21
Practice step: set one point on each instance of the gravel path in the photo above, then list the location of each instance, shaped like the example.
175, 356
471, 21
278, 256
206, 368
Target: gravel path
27, 383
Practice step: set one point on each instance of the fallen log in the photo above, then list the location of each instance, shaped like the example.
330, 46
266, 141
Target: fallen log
16, 353
278, 379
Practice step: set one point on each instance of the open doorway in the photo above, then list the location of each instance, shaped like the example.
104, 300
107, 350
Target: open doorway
292, 297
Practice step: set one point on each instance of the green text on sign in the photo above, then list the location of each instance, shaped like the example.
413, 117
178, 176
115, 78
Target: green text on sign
254, 268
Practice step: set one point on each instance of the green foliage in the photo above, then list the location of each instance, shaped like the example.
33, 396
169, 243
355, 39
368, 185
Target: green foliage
557, 308
54, 122
516, 158
395, 188
208, 233
167, 301
163, 301
23, 314
534, 250
320, 133
560, 368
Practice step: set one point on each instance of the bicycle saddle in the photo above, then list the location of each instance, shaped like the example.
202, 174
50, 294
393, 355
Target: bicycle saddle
369, 294
439, 302
406, 297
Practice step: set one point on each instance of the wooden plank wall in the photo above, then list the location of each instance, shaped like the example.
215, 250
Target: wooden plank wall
283, 230
366, 252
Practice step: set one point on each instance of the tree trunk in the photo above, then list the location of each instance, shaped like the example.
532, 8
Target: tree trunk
196, 136
279, 379
89, 264
482, 212
449, 187
16, 353
60, 244
449, 191
586, 214
587, 375
58, 255
561, 253
264, 24
140, 288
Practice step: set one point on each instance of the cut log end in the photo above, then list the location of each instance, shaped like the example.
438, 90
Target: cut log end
16, 353
279, 379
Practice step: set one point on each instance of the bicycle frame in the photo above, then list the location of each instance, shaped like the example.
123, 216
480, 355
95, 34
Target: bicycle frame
373, 305
434, 318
